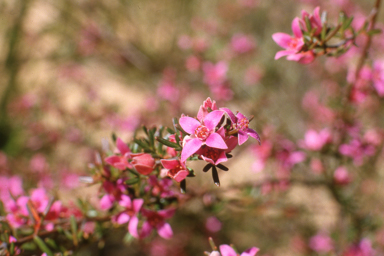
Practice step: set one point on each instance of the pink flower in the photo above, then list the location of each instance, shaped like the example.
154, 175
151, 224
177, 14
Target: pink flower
202, 133
315, 140
321, 243
160, 187
120, 162
241, 123
241, 43
155, 220
213, 224
227, 250
143, 163
341, 176
364, 248
293, 45
175, 169
215, 74
207, 107
314, 20
132, 208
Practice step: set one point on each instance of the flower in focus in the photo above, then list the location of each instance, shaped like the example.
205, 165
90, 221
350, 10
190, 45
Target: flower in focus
120, 162
201, 134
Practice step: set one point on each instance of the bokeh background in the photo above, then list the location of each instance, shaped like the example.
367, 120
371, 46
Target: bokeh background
73, 72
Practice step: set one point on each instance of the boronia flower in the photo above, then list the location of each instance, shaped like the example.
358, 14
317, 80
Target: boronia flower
201, 133
227, 250
175, 169
241, 123
294, 46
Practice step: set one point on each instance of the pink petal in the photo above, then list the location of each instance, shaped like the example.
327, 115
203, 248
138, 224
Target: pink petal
132, 227
190, 148
250, 252
227, 250
137, 204
122, 147
280, 54
169, 164
125, 201
143, 169
189, 124
165, 231
181, 175
243, 137
122, 218
106, 202
296, 28
212, 119
282, 39
230, 114
168, 213
214, 140
146, 230
253, 134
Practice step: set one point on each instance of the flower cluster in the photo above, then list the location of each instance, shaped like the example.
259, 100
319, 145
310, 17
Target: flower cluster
311, 36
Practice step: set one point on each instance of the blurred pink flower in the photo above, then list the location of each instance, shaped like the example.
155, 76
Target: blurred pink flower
241, 43
175, 169
378, 77
253, 75
215, 74
212, 224
321, 243
315, 140
314, 21
341, 176
192, 63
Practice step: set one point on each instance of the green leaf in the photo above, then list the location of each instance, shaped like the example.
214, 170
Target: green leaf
51, 243
142, 143
145, 129
74, 229
40, 243
347, 23
169, 143
169, 130
132, 181
374, 31
215, 176
114, 137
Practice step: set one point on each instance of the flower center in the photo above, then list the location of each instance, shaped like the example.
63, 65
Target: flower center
154, 220
174, 171
202, 132
242, 124
212, 153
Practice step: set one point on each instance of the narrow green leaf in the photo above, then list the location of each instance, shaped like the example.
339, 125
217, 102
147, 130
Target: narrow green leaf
308, 23
168, 143
114, 137
374, 31
74, 229
12, 249
145, 129
212, 244
40, 243
169, 130
51, 243
142, 143
132, 181
347, 23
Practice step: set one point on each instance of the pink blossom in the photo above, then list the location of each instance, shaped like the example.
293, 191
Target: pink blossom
314, 20
160, 187
341, 176
143, 163
175, 169
293, 45
88, 227
202, 133
363, 248
131, 209
321, 243
241, 43
184, 42
154, 220
192, 63
227, 250
114, 191
120, 161
168, 91
315, 140
207, 107
213, 224
241, 123
357, 150
215, 74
